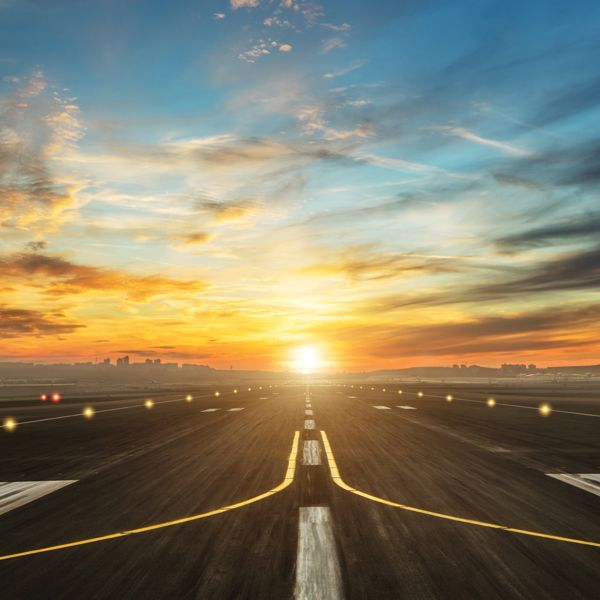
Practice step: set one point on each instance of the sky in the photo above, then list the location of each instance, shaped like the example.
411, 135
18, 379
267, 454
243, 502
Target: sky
392, 183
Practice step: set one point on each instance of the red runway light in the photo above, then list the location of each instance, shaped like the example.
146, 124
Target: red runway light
56, 397
44, 397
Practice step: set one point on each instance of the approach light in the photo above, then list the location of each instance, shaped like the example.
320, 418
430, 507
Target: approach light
56, 397
249, 389
44, 397
10, 424
235, 391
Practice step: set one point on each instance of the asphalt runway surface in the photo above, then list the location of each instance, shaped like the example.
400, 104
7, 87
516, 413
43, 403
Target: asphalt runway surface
327, 492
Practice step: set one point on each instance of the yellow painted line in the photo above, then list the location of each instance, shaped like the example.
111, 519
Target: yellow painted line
335, 475
287, 480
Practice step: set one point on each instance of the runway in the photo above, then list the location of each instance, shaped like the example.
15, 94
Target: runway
320, 491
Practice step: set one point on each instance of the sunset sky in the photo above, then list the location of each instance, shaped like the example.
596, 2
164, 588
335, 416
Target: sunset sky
394, 183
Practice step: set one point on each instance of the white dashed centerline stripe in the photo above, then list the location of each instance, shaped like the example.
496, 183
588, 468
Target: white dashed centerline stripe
17, 493
317, 566
407, 407
210, 410
309, 424
234, 409
382, 407
308, 412
311, 453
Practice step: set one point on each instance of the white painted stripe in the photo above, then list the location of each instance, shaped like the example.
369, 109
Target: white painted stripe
590, 482
309, 406
264, 398
382, 407
317, 567
352, 396
309, 424
308, 412
234, 409
210, 410
18, 493
311, 453
407, 407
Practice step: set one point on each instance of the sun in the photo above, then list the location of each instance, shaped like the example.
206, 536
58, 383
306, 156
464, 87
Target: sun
307, 359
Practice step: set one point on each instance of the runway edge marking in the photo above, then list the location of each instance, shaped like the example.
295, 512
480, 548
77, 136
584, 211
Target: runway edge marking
287, 480
335, 475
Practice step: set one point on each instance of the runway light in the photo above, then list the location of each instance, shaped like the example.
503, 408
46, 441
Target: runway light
491, 402
545, 409
217, 394
189, 398
10, 424
399, 391
56, 397
44, 397
149, 403
420, 394
88, 412
249, 389
383, 390
235, 391
449, 398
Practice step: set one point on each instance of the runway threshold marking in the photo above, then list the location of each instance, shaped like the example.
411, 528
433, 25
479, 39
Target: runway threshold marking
317, 566
590, 482
287, 480
18, 493
335, 475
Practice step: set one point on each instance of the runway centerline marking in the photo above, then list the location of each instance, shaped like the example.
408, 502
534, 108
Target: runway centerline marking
311, 453
317, 566
590, 482
335, 475
308, 412
309, 424
382, 407
406, 407
234, 409
287, 480
210, 410
18, 493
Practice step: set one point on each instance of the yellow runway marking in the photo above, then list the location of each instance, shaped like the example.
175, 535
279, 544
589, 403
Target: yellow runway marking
287, 480
335, 475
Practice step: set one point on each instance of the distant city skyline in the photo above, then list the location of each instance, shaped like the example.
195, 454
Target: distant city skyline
263, 183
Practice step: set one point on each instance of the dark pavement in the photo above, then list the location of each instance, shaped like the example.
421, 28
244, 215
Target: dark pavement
137, 467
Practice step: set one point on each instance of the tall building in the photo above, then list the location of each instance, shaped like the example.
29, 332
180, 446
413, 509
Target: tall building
123, 361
